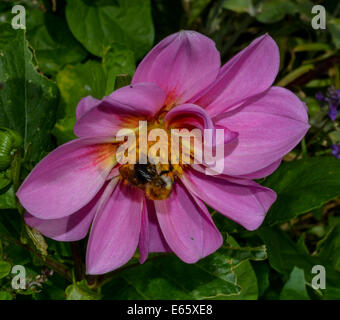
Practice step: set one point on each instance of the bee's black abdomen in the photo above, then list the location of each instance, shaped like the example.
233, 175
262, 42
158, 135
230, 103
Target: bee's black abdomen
144, 172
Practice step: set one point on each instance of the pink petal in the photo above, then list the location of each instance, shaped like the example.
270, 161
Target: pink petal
144, 235
140, 98
251, 72
269, 126
187, 225
242, 201
263, 172
182, 64
115, 231
73, 227
67, 179
122, 109
151, 237
85, 105
190, 115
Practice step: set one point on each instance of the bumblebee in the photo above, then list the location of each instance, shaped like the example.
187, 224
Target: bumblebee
155, 180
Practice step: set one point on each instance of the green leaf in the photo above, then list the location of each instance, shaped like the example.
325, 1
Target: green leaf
262, 274
5, 269
4, 295
334, 29
196, 8
28, 101
122, 80
284, 255
10, 228
52, 41
302, 186
239, 6
81, 291
118, 60
53, 289
225, 226
246, 279
275, 10
335, 137
329, 247
89, 79
7, 199
167, 277
295, 287
238, 254
76, 82
81, 80
5, 180
98, 25
245, 275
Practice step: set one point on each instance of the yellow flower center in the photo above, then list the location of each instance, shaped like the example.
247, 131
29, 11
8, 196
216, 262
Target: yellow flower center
157, 166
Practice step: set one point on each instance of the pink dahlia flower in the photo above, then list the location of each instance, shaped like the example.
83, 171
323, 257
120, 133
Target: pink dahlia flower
180, 83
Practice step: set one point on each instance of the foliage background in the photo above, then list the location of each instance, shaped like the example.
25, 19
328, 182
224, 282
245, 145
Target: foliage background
76, 48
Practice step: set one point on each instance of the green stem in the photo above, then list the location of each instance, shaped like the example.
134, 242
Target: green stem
34, 235
58, 267
77, 258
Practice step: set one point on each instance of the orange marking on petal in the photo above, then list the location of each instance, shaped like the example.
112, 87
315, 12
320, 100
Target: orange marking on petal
171, 99
103, 155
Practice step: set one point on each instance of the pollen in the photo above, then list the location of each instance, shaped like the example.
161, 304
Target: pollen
153, 171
